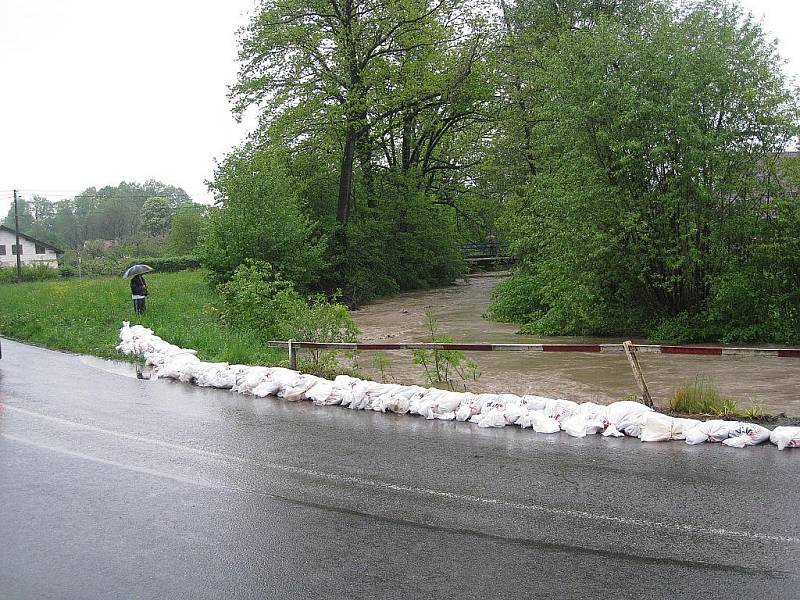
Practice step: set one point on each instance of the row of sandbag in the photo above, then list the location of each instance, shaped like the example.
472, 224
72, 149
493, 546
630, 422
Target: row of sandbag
543, 415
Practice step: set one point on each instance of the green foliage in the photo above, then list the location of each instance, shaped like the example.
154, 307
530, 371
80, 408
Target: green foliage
184, 233
84, 315
701, 397
110, 265
166, 264
516, 300
443, 366
155, 216
405, 242
260, 218
645, 207
258, 301
28, 273
383, 363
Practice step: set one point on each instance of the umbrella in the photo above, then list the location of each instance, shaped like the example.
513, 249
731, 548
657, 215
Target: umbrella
137, 270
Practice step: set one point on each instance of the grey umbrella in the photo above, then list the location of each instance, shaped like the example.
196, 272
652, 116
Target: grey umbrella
137, 270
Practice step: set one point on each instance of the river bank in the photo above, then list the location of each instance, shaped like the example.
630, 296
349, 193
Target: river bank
771, 383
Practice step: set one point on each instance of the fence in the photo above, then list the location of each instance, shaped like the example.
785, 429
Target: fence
628, 348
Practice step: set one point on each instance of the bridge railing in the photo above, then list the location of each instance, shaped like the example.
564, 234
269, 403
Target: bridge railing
484, 249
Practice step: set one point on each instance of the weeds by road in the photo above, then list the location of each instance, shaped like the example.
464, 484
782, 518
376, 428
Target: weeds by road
84, 315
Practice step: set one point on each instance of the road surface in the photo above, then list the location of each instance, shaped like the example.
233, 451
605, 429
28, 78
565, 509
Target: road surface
112, 487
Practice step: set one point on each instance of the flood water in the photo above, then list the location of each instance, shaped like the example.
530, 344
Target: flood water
603, 378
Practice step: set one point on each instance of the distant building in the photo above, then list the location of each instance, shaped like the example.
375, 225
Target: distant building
31, 252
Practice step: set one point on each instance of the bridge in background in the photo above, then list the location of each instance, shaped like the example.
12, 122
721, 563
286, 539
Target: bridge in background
487, 254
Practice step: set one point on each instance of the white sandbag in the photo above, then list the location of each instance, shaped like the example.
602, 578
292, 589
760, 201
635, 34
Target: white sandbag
785, 437
472, 405
714, 430
658, 427
612, 431
559, 409
535, 402
627, 416
216, 375
297, 389
491, 418
398, 401
249, 378
747, 434
276, 381
514, 412
738, 441
581, 425
539, 422
320, 392
173, 365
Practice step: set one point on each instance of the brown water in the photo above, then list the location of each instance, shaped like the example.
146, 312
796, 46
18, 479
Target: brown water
770, 382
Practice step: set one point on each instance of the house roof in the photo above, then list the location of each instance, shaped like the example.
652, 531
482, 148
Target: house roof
32, 239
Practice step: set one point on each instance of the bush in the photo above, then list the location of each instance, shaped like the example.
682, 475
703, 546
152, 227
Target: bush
28, 273
67, 271
403, 242
257, 300
261, 218
516, 300
167, 264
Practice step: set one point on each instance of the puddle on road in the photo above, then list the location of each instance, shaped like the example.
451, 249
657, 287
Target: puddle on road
117, 367
601, 378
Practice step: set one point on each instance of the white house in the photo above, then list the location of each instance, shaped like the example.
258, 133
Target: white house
33, 251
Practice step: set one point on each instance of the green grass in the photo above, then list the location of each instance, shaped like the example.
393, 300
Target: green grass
85, 316
701, 397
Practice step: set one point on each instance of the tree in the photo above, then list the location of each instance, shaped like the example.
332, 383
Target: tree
650, 152
184, 233
259, 216
25, 215
336, 70
155, 216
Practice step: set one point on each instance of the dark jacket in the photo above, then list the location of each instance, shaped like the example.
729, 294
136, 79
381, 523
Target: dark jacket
138, 286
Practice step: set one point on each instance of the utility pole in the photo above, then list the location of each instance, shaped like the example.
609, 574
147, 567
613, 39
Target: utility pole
16, 230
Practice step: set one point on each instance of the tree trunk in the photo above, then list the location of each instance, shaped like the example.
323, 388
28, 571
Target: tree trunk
346, 176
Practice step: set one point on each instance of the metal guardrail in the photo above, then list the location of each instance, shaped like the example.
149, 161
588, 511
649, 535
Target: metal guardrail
628, 348
587, 348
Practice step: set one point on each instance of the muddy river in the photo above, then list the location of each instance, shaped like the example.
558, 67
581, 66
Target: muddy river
769, 382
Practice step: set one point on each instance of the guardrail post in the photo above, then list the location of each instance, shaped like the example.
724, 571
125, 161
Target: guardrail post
292, 355
630, 352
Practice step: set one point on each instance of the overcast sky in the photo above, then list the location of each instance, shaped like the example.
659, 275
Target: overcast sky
94, 92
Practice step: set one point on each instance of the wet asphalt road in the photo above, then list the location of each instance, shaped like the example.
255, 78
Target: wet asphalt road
112, 487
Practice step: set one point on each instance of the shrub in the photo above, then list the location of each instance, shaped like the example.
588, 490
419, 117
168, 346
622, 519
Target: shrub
260, 218
257, 300
28, 273
516, 300
167, 264
67, 271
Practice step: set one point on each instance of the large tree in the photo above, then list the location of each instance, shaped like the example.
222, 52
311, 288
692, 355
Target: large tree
357, 76
650, 159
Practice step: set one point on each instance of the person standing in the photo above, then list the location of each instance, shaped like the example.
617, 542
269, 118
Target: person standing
138, 293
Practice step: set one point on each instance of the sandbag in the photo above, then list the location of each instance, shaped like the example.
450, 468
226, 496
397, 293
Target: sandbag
747, 434
539, 422
785, 437
657, 427
714, 430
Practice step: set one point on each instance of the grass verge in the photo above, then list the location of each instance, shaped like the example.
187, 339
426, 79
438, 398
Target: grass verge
85, 316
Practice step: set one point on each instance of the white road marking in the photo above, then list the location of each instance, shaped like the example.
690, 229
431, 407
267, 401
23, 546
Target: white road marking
377, 484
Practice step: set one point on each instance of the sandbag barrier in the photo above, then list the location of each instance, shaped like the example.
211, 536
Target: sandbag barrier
542, 415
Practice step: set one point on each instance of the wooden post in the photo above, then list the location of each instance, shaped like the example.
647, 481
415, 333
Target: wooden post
630, 352
292, 355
